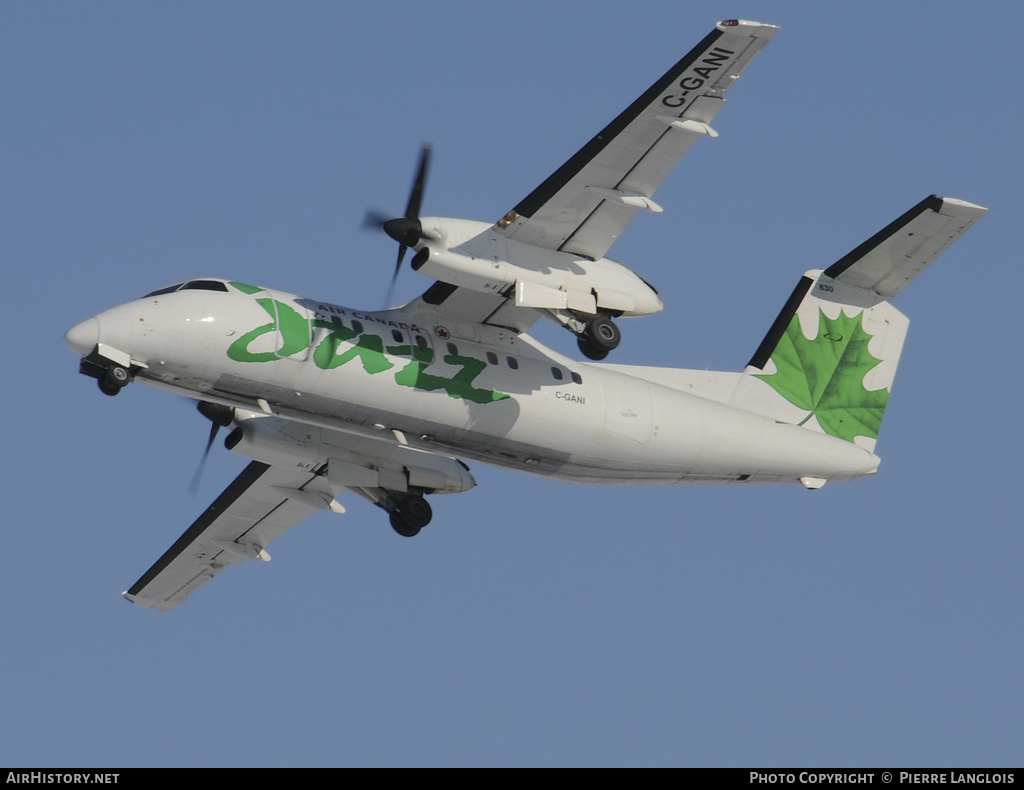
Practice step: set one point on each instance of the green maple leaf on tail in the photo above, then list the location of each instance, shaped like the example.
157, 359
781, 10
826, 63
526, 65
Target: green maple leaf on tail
825, 376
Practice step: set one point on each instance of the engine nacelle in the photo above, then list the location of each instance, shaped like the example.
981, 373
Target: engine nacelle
466, 271
352, 460
475, 256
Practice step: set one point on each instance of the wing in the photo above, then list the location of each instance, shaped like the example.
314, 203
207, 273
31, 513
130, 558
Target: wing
261, 505
450, 304
899, 252
585, 204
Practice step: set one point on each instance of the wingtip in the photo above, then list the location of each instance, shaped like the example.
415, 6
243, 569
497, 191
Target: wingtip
963, 204
729, 24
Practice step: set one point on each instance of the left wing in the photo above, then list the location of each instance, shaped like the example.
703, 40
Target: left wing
584, 205
261, 505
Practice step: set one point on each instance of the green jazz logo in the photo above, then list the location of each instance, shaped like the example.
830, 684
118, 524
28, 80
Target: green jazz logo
342, 345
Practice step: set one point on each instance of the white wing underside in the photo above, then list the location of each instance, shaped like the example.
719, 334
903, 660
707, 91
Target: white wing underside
585, 205
449, 304
261, 505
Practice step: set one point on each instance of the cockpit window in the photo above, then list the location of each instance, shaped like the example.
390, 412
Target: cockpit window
204, 285
169, 289
191, 285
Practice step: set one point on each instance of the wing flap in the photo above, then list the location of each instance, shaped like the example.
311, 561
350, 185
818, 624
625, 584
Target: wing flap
636, 151
252, 512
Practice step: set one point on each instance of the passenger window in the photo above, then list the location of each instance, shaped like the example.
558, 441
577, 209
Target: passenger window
557, 373
453, 349
421, 341
512, 363
576, 377
396, 335
492, 357
357, 326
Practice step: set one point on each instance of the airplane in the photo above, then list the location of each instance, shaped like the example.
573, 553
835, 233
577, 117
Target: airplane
391, 404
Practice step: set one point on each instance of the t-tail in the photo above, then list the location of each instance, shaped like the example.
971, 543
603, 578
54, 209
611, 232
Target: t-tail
829, 360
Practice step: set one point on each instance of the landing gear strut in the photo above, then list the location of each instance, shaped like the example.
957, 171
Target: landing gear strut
411, 515
600, 337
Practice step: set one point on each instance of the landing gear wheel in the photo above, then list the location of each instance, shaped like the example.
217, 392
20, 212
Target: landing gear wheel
590, 351
399, 526
603, 334
108, 389
113, 380
415, 511
116, 376
412, 514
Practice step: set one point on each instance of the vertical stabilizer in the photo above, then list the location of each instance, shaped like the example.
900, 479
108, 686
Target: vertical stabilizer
829, 360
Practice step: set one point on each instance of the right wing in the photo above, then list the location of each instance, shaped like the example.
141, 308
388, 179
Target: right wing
584, 206
261, 505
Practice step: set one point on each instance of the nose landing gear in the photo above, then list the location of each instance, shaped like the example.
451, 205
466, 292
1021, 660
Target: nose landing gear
114, 380
111, 378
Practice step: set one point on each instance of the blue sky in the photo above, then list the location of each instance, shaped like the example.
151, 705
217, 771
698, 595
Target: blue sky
876, 623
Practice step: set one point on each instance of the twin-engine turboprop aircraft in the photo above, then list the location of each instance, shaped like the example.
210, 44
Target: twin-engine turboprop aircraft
387, 403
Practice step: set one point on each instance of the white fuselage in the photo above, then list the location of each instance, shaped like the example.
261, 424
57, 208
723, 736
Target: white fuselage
473, 391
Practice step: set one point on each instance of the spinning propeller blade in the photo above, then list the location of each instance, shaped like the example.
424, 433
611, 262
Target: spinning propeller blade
218, 416
407, 230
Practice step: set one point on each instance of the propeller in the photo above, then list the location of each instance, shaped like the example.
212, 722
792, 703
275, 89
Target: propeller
220, 416
407, 230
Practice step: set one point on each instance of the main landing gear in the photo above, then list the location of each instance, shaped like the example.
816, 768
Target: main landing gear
599, 337
410, 515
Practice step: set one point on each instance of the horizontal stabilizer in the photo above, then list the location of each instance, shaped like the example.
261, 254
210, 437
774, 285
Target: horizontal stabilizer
895, 255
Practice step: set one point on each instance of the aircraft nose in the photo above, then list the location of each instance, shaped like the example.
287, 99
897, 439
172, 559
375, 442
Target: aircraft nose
82, 338
649, 303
